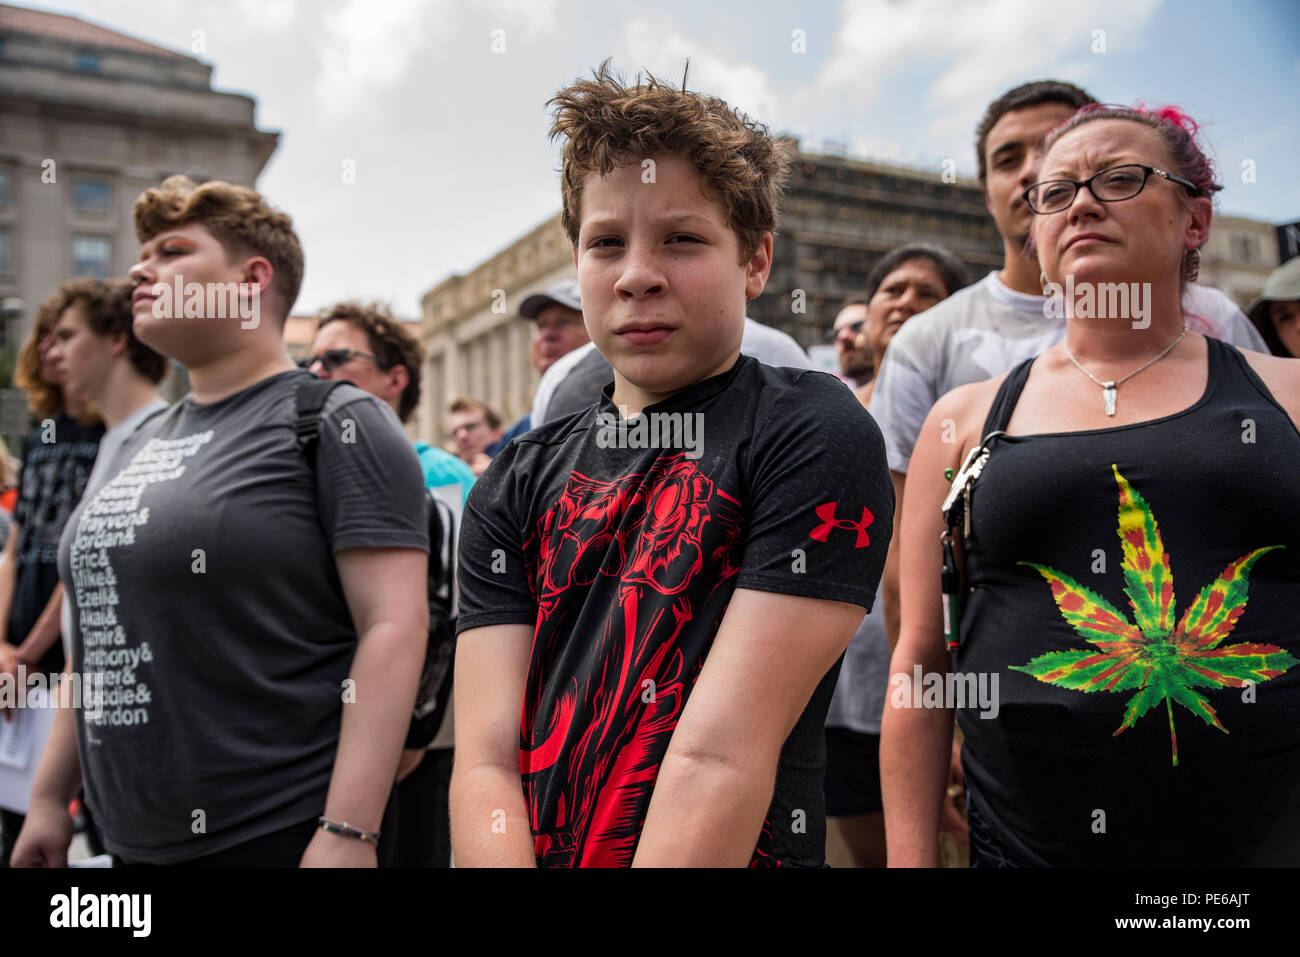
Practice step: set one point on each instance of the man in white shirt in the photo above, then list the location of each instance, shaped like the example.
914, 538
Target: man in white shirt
575, 380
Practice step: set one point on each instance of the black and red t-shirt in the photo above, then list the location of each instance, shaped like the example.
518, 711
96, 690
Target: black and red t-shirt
624, 558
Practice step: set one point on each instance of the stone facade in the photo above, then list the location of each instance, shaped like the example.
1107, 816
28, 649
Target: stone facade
89, 118
1239, 256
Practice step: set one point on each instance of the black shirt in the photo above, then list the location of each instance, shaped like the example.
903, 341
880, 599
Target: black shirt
624, 559
1128, 581
58, 456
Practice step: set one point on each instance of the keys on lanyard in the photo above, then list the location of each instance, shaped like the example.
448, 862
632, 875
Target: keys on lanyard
956, 511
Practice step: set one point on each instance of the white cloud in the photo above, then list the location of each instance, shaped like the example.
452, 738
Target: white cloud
658, 44
368, 46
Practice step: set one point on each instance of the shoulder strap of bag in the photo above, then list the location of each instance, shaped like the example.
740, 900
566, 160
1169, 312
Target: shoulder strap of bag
309, 400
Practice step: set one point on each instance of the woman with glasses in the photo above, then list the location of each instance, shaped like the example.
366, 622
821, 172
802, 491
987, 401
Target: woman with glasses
255, 611
1126, 667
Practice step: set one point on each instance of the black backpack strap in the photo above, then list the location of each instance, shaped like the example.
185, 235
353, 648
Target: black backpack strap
308, 402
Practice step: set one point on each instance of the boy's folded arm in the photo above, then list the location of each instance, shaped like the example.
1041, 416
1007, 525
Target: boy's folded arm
716, 781
489, 818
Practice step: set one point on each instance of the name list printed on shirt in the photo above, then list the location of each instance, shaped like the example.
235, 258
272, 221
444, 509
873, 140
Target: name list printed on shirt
111, 521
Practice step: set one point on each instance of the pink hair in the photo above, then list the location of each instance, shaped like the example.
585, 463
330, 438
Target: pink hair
1176, 129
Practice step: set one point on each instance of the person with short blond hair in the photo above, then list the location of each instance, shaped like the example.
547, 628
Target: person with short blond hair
260, 593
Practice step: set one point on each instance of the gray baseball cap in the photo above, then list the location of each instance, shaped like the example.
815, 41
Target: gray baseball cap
564, 293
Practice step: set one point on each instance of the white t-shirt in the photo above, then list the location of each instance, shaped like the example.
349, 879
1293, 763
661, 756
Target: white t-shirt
770, 346
987, 329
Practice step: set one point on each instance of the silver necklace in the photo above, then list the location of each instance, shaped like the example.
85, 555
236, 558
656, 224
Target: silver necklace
1110, 389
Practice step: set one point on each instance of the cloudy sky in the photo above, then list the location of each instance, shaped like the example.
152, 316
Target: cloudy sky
440, 104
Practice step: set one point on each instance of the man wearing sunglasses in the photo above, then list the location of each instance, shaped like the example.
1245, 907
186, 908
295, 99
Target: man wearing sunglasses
857, 363
369, 348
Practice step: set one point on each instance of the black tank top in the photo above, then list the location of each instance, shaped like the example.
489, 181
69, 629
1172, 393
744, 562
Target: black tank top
1136, 594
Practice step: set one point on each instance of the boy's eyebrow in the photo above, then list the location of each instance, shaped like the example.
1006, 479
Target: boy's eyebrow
668, 219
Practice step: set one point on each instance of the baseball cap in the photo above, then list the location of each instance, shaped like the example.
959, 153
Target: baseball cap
564, 293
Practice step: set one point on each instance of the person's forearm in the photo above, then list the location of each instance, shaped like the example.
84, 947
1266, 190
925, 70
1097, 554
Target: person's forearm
7, 561
376, 716
891, 592
45, 633
489, 818
915, 747
705, 813
890, 596
58, 776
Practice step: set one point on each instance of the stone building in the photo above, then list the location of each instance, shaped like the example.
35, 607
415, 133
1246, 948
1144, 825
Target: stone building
89, 118
1239, 256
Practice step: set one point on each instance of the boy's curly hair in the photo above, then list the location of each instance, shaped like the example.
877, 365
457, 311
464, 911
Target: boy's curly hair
606, 124
237, 216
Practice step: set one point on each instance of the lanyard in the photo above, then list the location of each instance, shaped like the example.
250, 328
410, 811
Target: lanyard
956, 514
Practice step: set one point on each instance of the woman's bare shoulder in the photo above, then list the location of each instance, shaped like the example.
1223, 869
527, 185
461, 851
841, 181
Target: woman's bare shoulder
1281, 376
968, 405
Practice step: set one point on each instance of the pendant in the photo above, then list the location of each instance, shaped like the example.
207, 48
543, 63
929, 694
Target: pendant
1109, 395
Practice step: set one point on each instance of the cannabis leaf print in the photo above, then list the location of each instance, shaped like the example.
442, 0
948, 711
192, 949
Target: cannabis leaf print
1152, 657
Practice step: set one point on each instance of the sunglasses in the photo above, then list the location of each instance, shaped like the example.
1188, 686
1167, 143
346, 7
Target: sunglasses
332, 359
853, 327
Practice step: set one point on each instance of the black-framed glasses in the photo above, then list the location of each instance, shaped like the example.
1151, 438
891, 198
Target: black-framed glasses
854, 327
1108, 186
332, 359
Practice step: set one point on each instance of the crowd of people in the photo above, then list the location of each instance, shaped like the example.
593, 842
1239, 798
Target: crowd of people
707, 605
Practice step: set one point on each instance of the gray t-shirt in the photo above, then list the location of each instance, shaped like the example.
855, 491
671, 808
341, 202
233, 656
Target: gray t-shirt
987, 329
859, 700
205, 593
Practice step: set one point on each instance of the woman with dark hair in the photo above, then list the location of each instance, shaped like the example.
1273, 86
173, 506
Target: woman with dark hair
1116, 668
902, 284
906, 281
58, 456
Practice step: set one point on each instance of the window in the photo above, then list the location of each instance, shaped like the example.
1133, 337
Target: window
88, 62
91, 196
6, 188
92, 256
6, 257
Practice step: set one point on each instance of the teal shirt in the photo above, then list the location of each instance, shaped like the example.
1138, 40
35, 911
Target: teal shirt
443, 468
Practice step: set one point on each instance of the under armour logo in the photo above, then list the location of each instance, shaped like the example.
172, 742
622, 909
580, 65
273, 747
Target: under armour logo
827, 514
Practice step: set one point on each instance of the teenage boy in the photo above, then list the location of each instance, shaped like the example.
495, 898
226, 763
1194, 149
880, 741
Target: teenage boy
651, 628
